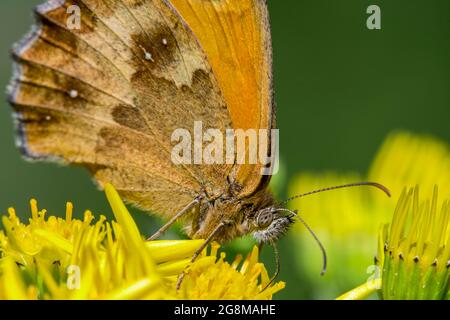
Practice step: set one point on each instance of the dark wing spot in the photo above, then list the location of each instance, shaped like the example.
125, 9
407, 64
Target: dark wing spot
129, 117
160, 44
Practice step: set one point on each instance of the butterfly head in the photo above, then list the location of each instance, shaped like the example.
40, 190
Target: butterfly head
269, 224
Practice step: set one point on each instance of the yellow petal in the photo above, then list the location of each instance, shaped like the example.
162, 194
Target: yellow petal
13, 286
55, 239
136, 290
166, 250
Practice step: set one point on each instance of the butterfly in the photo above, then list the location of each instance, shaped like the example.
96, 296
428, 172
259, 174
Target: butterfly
108, 94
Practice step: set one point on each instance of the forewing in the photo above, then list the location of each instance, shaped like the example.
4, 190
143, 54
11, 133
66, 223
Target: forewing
235, 35
109, 95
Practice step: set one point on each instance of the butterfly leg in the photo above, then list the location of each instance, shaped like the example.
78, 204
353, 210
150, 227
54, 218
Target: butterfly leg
181, 213
200, 250
278, 265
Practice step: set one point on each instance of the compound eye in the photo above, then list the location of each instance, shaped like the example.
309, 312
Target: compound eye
264, 219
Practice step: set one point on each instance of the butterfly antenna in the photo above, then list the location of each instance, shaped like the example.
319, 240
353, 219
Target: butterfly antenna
316, 238
349, 185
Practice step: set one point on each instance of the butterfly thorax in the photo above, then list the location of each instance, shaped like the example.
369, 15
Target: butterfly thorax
241, 216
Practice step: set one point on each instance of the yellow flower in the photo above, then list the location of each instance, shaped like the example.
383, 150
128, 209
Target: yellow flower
414, 254
229, 282
347, 221
415, 257
408, 159
65, 258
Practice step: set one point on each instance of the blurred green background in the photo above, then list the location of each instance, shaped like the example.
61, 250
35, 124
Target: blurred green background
340, 89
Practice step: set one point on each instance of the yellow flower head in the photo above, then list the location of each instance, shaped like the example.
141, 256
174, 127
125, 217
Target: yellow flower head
229, 282
347, 221
415, 254
66, 258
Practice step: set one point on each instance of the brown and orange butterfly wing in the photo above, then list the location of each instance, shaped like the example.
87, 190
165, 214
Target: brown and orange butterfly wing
92, 97
236, 38
109, 95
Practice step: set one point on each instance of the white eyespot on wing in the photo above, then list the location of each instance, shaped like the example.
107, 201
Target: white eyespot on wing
148, 56
73, 94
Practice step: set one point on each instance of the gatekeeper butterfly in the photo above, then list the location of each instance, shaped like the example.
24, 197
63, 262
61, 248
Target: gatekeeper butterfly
105, 84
